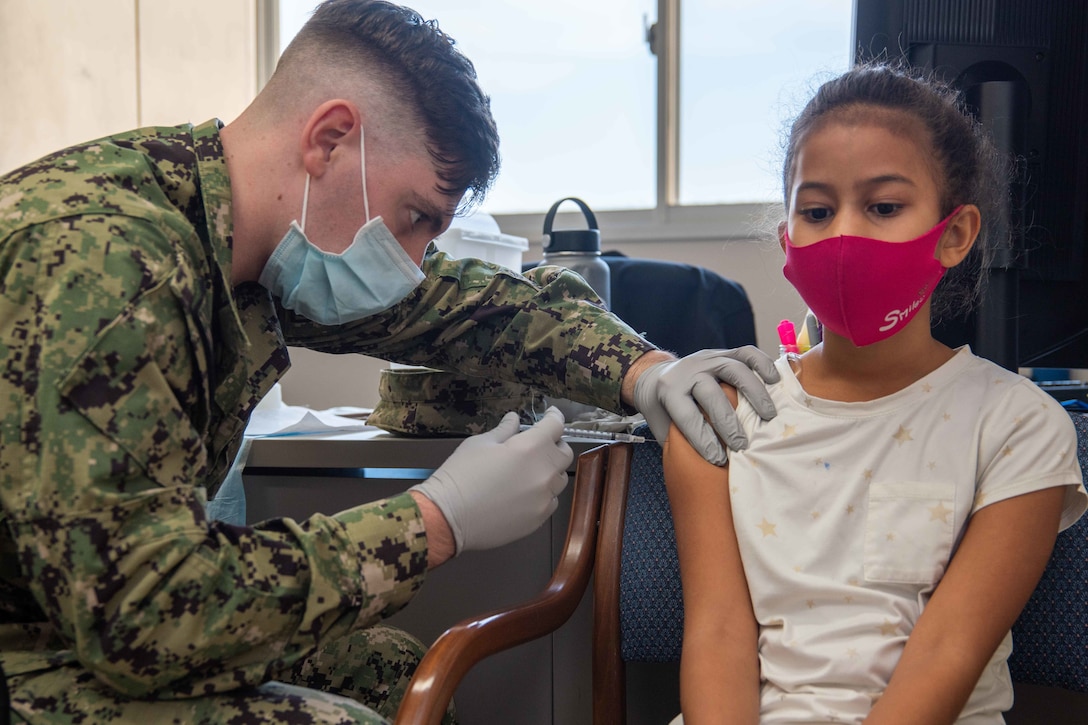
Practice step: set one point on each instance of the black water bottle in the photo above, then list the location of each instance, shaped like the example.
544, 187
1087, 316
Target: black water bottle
579, 250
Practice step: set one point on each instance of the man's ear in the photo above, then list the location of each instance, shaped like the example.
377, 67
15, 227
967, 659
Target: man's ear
328, 127
959, 236
782, 235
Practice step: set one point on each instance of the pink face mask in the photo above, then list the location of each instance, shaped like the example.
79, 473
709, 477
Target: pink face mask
866, 289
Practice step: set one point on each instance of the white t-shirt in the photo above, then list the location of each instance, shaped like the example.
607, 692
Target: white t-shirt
847, 515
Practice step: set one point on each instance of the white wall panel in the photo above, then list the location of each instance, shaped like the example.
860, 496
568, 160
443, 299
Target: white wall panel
73, 70
67, 74
198, 60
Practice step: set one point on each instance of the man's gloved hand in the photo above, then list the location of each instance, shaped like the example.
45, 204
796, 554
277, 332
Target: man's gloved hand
670, 390
501, 485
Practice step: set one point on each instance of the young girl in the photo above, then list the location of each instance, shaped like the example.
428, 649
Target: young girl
867, 554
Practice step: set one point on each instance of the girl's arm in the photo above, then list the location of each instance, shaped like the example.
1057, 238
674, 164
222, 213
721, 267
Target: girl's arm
1000, 560
719, 666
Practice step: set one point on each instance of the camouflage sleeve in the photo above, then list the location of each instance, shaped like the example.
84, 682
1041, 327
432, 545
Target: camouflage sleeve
545, 328
104, 405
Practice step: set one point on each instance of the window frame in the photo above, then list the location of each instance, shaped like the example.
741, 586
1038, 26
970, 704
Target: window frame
668, 220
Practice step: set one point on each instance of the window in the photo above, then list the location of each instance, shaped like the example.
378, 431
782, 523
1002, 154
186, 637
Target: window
575, 91
745, 69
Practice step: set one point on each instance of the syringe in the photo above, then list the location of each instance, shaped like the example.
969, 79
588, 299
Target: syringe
597, 435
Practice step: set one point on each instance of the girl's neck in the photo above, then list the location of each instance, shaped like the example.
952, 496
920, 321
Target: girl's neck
838, 370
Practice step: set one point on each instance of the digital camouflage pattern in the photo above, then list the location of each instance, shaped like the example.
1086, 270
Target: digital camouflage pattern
356, 679
425, 402
128, 370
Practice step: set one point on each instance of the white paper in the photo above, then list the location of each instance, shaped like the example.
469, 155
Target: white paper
288, 420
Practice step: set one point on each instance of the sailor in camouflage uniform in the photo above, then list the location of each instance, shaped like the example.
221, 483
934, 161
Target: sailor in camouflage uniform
135, 342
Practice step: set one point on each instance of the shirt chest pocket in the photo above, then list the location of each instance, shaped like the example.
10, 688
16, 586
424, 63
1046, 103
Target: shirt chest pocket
909, 531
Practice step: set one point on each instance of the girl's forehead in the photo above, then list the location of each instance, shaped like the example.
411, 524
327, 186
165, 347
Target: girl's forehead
864, 141
907, 126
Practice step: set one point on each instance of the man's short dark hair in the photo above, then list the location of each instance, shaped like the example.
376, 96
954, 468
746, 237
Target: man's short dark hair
414, 57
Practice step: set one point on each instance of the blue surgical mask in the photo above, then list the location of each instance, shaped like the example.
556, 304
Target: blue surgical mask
370, 276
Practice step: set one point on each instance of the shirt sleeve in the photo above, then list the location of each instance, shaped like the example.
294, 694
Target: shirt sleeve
103, 456
1028, 443
544, 328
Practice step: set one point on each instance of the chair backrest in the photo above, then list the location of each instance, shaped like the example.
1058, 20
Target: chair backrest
678, 307
1050, 639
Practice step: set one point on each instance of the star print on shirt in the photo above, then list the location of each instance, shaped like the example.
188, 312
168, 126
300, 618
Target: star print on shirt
789, 430
902, 435
767, 528
939, 513
887, 629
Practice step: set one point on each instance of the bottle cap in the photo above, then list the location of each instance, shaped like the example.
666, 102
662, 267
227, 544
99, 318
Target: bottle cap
585, 241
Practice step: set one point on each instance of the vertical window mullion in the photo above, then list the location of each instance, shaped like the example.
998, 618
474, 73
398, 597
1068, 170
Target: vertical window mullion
268, 39
667, 43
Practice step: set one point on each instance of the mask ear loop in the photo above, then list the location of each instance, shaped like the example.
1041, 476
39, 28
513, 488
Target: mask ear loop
305, 203
362, 166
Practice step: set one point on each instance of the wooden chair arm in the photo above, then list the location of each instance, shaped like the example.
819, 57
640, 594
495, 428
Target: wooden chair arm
468, 642
609, 672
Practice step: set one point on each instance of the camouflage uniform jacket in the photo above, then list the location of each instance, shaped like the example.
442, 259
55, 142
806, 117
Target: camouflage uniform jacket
128, 369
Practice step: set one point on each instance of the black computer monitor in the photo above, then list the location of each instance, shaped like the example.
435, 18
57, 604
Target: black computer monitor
1023, 67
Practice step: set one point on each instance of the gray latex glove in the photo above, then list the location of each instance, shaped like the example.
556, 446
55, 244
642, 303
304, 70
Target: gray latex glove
501, 485
669, 391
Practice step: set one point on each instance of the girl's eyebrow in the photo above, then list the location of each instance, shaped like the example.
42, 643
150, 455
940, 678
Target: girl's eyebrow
813, 186
865, 183
888, 179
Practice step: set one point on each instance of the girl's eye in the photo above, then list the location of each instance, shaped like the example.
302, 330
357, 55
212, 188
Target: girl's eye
885, 208
816, 214
415, 216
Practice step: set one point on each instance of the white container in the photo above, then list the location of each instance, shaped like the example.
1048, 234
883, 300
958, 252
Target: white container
478, 237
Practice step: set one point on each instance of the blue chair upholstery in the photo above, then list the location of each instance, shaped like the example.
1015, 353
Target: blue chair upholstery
651, 602
1050, 639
